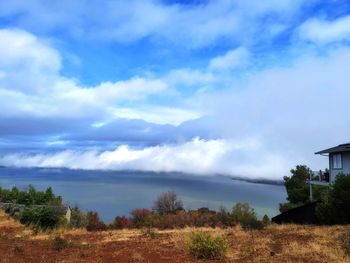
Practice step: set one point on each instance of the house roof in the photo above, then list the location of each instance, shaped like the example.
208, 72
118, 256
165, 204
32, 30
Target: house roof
340, 148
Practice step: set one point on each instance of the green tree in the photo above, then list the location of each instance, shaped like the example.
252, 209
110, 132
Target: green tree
245, 215
296, 185
335, 208
297, 188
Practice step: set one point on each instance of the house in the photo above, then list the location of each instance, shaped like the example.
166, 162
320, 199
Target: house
339, 160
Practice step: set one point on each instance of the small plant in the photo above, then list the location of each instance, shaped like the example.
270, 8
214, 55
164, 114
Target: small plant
149, 232
202, 245
59, 243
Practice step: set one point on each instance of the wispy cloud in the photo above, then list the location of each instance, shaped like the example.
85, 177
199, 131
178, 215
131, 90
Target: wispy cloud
322, 31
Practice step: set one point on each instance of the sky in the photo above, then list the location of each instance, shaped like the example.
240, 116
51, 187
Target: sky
241, 88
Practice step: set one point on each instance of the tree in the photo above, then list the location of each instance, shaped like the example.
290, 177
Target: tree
167, 203
335, 208
296, 185
245, 215
297, 188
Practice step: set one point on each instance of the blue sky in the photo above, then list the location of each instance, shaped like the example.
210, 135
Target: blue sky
247, 88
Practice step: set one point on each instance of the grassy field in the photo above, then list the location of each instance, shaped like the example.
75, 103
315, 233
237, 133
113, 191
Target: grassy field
276, 243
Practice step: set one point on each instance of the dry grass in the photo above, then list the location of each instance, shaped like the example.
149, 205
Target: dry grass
276, 243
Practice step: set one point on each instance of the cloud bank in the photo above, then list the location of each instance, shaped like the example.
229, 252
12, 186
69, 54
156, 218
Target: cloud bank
198, 156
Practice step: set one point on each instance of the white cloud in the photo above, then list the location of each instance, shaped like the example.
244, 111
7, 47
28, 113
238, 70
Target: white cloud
158, 115
202, 157
324, 31
238, 57
186, 25
31, 85
293, 110
27, 63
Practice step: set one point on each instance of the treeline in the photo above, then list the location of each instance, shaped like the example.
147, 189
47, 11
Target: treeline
41, 213
29, 197
333, 201
168, 213
39, 209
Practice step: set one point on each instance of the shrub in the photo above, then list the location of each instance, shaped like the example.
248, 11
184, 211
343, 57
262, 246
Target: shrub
335, 208
94, 222
149, 232
245, 215
121, 222
139, 217
202, 245
167, 203
41, 217
78, 218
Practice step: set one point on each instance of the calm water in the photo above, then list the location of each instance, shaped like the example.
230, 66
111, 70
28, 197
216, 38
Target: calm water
114, 193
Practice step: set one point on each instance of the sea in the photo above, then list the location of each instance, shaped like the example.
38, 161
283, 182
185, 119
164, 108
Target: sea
113, 193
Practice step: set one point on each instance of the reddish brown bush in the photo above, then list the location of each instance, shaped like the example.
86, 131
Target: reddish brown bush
94, 222
139, 217
121, 222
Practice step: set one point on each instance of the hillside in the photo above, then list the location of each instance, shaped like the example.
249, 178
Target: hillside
285, 243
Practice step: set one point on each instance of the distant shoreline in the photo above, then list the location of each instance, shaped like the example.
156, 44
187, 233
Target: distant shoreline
259, 181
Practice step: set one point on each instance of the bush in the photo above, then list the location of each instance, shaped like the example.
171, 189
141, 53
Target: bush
245, 215
41, 217
335, 208
94, 222
78, 218
167, 203
139, 217
202, 245
121, 222
149, 232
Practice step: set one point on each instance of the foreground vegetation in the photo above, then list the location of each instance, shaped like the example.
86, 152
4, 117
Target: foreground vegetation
332, 202
275, 243
169, 233
39, 210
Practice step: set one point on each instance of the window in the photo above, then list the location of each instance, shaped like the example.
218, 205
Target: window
337, 161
